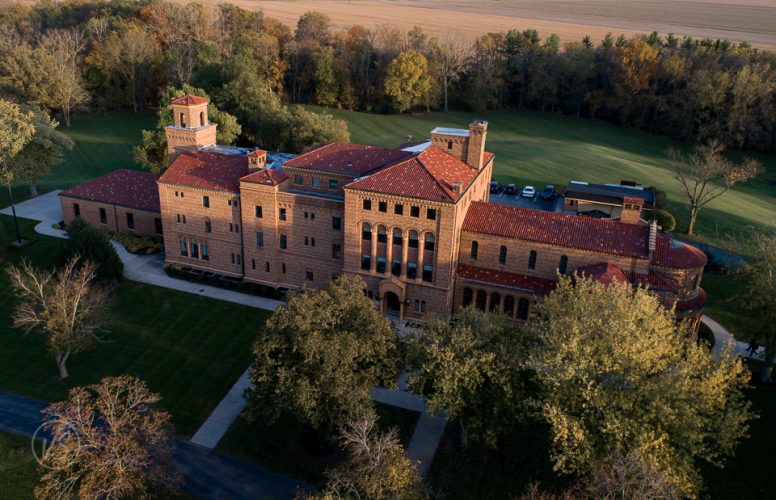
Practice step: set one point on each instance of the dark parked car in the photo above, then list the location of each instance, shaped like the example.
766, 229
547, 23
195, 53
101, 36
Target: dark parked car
548, 192
511, 189
495, 187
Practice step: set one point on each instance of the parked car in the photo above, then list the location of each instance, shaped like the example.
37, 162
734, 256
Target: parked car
495, 187
511, 189
528, 192
548, 192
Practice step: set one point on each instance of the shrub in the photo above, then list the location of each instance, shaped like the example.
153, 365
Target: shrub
661, 197
664, 219
93, 245
143, 245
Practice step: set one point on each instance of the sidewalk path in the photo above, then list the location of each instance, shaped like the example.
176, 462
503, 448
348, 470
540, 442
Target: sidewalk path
227, 411
206, 473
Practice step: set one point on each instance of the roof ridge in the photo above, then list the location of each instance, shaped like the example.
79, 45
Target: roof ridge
445, 189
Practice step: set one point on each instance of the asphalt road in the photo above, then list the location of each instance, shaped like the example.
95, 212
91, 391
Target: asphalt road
206, 473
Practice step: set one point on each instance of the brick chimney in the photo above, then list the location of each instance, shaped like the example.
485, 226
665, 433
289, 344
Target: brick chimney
631, 209
257, 160
478, 131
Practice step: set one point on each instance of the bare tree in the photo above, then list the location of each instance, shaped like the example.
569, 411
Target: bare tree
705, 174
65, 48
63, 306
449, 58
376, 466
108, 441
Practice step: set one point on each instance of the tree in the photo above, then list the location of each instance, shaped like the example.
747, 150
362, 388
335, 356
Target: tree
619, 376
407, 81
109, 440
67, 90
152, 152
473, 369
705, 174
449, 59
44, 151
375, 467
325, 80
64, 306
320, 354
759, 297
306, 128
16, 130
90, 244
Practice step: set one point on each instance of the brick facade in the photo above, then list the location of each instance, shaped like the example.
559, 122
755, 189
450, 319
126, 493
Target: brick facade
110, 217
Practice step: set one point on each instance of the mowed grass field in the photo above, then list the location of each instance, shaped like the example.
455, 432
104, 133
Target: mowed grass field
571, 20
541, 148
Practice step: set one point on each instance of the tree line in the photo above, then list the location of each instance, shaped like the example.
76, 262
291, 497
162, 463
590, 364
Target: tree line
78, 53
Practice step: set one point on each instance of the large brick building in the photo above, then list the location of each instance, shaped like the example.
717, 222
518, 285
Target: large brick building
414, 222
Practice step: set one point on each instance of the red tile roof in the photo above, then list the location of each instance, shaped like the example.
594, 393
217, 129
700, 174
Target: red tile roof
350, 159
473, 273
189, 100
654, 280
604, 272
200, 169
127, 188
564, 230
697, 301
677, 255
428, 175
265, 176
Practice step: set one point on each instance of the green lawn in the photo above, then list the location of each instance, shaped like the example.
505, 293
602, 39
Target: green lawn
292, 448
541, 148
722, 289
189, 349
18, 469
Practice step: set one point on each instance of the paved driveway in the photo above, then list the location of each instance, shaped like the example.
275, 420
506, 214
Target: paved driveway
44, 208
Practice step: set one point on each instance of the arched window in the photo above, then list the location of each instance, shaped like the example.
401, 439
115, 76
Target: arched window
382, 235
413, 239
532, 260
429, 243
564, 264
482, 299
495, 301
397, 237
509, 305
201, 118
468, 297
475, 248
522, 309
502, 255
366, 232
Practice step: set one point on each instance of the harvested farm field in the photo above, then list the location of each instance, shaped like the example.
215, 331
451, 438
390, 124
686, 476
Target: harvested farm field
753, 21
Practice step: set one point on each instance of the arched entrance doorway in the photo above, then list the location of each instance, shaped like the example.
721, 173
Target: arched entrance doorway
392, 303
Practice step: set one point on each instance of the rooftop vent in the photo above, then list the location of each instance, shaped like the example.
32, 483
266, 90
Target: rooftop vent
457, 187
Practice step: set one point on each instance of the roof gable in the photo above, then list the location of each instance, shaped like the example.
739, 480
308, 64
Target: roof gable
200, 169
265, 176
128, 188
189, 100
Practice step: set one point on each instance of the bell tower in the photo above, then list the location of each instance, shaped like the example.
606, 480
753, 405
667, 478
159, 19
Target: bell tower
190, 129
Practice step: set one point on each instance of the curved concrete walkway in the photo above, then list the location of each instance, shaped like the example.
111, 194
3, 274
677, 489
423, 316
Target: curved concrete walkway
725, 343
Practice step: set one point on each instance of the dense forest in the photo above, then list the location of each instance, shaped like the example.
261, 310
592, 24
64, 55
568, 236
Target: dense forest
88, 54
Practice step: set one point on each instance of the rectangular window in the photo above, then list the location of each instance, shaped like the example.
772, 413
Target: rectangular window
283, 268
282, 214
194, 250
184, 218
259, 212
417, 305
333, 184
382, 237
206, 201
208, 227
396, 267
253, 263
236, 228
232, 258
231, 227
431, 213
382, 206
367, 204
77, 209
414, 211
316, 182
336, 251
366, 262
184, 248
298, 180
336, 223
239, 258
412, 271
130, 220
205, 254
309, 275
103, 216
178, 217
266, 266
380, 265
259, 238
428, 273
158, 224
283, 242
398, 209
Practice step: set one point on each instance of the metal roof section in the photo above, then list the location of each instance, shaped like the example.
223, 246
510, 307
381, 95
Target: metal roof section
576, 189
463, 132
417, 148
